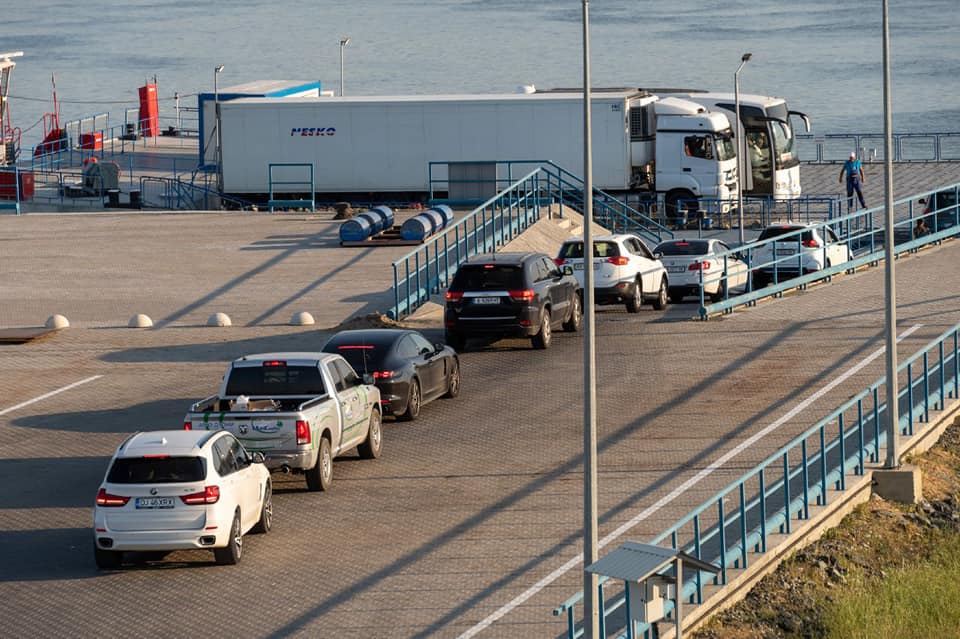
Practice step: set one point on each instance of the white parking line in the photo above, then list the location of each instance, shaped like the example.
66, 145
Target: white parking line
50, 394
682, 488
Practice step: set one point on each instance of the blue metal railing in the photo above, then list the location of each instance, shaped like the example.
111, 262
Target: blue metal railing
834, 148
862, 232
712, 213
173, 193
304, 187
801, 474
426, 270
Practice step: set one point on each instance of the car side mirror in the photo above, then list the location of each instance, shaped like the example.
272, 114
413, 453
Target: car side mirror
922, 200
258, 458
567, 269
438, 347
367, 378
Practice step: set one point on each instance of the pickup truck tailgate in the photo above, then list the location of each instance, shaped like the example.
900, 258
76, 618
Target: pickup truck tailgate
257, 433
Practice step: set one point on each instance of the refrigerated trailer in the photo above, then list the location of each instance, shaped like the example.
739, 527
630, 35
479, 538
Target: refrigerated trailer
384, 145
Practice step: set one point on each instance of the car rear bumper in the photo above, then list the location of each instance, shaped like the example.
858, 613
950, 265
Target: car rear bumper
300, 460
615, 294
526, 324
144, 541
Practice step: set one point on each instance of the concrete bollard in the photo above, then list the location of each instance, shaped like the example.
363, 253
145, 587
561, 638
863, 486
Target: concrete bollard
140, 321
57, 321
301, 318
219, 319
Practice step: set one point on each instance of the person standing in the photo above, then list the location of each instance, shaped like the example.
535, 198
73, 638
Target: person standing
854, 171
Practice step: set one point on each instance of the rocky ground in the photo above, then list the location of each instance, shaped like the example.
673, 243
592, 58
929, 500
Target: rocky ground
878, 537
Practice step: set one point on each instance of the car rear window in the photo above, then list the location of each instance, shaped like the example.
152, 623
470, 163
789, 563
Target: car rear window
694, 247
275, 380
362, 357
944, 199
499, 277
574, 250
777, 231
157, 470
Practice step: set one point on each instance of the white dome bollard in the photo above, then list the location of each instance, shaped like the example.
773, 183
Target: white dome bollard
57, 321
302, 318
219, 319
140, 321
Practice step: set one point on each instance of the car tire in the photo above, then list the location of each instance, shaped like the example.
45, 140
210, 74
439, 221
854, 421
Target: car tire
545, 335
453, 381
721, 292
372, 446
230, 554
414, 402
759, 281
660, 302
636, 299
265, 523
107, 559
321, 475
456, 342
575, 321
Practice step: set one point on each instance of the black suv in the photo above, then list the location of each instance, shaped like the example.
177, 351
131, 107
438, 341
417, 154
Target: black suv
511, 295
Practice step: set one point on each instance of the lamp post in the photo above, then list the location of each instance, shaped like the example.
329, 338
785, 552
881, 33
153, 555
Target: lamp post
741, 145
343, 43
893, 416
216, 109
591, 613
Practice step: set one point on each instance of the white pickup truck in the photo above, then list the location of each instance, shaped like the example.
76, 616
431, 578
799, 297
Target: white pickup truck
299, 409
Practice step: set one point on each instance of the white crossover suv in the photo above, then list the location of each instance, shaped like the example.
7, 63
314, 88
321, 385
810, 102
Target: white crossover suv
624, 270
177, 490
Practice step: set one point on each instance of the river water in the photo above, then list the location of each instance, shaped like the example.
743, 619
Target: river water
824, 57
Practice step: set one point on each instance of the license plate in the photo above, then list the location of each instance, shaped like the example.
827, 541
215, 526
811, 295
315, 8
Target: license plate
486, 300
578, 266
676, 269
154, 502
786, 251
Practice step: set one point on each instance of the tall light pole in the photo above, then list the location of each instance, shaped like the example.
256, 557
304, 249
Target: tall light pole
591, 612
893, 412
741, 143
216, 110
343, 43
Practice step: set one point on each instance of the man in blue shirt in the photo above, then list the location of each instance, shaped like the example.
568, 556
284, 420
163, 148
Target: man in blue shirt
855, 178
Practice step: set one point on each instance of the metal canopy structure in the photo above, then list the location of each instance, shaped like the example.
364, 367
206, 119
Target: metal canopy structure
640, 567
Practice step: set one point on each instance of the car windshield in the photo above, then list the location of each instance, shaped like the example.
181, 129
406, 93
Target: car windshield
273, 379
777, 231
491, 277
574, 250
693, 247
157, 470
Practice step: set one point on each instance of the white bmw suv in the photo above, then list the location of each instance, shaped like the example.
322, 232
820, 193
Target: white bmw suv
794, 249
624, 271
179, 490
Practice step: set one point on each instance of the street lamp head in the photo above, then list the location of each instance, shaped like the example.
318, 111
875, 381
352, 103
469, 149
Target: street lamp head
746, 57
344, 42
218, 68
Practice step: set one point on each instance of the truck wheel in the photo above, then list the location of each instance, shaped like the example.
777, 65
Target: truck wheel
636, 300
230, 555
107, 559
265, 522
575, 321
414, 399
542, 339
660, 302
321, 475
453, 383
373, 444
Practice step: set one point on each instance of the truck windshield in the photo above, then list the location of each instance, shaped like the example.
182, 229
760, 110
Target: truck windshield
782, 136
726, 149
272, 381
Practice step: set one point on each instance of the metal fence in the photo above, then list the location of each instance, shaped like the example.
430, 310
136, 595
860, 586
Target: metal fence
173, 193
734, 526
834, 148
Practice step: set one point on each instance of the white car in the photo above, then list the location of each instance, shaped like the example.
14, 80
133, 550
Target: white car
624, 271
795, 249
693, 262
177, 490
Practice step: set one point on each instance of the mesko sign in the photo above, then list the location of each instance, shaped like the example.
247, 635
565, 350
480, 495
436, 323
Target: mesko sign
312, 131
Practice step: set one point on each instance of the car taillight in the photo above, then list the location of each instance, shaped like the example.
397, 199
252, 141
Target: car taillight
383, 374
619, 260
696, 266
522, 296
187, 425
209, 495
110, 501
811, 243
559, 261
303, 432
454, 296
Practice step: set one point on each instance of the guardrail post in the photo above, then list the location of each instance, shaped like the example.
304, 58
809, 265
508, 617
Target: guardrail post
909, 430
926, 390
697, 553
743, 526
804, 475
875, 457
842, 483
785, 528
860, 466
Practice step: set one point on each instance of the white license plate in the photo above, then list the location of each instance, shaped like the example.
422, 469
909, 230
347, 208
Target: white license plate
578, 266
676, 269
786, 251
154, 502
486, 300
